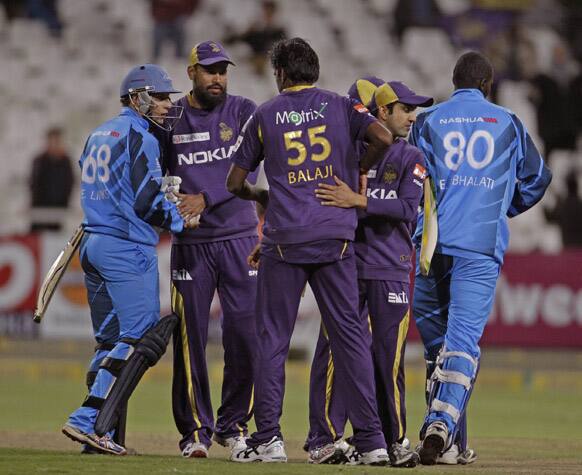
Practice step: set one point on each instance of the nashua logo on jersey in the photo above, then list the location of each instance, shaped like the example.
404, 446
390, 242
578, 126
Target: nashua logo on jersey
181, 274
399, 297
298, 118
467, 120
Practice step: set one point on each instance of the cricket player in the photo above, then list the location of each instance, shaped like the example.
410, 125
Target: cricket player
122, 201
211, 257
387, 211
307, 136
484, 168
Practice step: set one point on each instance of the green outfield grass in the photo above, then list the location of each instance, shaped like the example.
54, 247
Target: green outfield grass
517, 425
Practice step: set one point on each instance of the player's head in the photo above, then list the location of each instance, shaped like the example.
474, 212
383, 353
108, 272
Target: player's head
208, 72
146, 89
392, 102
473, 71
294, 62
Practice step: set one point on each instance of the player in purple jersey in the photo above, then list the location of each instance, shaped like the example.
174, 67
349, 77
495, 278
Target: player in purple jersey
386, 211
212, 257
307, 136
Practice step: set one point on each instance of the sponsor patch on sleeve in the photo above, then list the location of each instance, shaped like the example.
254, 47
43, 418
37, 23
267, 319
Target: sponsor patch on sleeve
419, 171
361, 108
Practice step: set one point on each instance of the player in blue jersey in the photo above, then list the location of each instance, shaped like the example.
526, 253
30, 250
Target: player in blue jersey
123, 205
484, 168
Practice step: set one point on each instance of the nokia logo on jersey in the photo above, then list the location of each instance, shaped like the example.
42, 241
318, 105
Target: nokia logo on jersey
298, 118
206, 156
381, 194
467, 120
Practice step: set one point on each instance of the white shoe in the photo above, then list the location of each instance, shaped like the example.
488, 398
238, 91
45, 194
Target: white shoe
195, 450
433, 443
233, 443
327, 454
342, 445
454, 457
377, 457
272, 451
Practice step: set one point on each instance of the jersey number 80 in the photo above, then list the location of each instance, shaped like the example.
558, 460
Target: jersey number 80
458, 149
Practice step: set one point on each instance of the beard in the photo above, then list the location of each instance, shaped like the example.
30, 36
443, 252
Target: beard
206, 99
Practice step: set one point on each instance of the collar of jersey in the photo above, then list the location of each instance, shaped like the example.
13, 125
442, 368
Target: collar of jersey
473, 92
298, 88
129, 112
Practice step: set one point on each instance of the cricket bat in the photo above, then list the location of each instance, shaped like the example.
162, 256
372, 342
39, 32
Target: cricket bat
430, 228
55, 273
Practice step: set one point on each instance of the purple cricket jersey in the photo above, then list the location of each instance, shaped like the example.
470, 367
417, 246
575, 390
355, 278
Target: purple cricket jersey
201, 145
306, 135
383, 238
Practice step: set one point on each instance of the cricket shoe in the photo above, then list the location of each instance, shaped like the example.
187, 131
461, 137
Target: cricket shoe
195, 450
401, 456
329, 454
272, 451
377, 457
233, 443
454, 457
433, 443
102, 444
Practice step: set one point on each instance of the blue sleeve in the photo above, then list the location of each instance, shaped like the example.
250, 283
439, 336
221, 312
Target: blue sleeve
218, 195
146, 179
532, 176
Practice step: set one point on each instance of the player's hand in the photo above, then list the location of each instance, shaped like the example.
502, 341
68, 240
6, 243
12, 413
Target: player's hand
192, 223
340, 195
254, 257
363, 183
171, 188
190, 205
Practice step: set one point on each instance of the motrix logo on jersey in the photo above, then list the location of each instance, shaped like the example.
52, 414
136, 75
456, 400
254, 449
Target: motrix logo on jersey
467, 120
302, 117
206, 156
381, 194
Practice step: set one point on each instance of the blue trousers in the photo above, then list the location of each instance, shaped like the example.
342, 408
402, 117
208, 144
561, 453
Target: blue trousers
123, 292
451, 306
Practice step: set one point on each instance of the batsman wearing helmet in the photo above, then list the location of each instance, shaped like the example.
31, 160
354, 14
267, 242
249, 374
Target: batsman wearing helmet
123, 204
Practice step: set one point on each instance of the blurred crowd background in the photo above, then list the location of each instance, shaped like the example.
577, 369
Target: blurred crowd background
62, 62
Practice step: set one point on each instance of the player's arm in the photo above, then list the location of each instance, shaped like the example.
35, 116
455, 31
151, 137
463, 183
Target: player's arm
146, 178
405, 207
378, 139
533, 176
247, 158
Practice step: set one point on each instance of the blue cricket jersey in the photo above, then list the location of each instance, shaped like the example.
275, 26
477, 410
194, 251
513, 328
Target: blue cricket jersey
121, 179
484, 167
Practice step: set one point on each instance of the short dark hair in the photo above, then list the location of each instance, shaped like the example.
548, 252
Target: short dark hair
125, 101
471, 69
297, 59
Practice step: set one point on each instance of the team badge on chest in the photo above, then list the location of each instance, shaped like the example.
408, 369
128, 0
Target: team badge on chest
226, 132
390, 174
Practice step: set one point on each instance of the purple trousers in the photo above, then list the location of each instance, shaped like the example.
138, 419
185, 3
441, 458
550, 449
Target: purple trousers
385, 304
335, 288
197, 271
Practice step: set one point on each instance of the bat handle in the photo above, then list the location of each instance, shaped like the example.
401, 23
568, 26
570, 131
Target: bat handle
37, 317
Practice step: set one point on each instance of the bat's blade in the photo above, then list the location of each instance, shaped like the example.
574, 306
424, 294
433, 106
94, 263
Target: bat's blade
55, 273
430, 229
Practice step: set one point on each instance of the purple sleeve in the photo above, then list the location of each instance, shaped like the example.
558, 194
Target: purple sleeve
217, 195
359, 119
405, 207
249, 152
